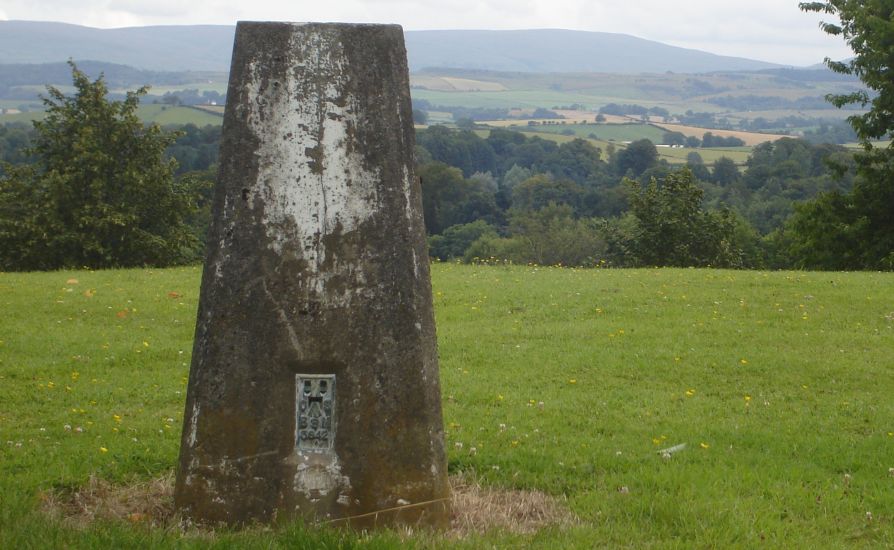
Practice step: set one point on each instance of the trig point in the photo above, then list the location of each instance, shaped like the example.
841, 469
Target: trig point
313, 390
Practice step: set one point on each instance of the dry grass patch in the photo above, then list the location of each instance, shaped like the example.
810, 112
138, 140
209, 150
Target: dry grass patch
478, 509
149, 502
475, 509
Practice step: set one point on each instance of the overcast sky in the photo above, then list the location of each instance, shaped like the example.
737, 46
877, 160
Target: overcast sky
769, 30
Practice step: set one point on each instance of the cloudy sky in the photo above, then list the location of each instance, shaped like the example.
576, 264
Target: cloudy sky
769, 30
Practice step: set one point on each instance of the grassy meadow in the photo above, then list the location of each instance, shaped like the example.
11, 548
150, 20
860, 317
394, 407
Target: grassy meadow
562, 380
163, 115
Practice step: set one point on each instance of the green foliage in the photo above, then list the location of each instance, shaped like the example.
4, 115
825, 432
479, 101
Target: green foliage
673, 138
100, 193
673, 230
710, 140
449, 199
866, 27
865, 218
725, 171
455, 240
464, 149
542, 189
547, 236
638, 157
420, 117
15, 142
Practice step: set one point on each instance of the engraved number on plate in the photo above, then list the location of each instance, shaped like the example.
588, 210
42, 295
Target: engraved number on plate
316, 412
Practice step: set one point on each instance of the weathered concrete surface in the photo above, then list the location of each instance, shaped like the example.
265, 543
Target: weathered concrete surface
314, 386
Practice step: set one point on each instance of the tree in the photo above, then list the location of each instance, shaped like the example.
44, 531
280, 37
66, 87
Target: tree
548, 236
100, 193
420, 117
673, 138
540, 190
638, 157
866, 27
725, 171
456, 239
578, 160
673, 230
449, 199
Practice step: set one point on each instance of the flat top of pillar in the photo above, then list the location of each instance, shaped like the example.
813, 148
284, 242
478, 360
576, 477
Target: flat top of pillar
328, 25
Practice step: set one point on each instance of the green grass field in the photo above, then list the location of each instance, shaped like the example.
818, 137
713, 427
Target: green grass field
533, 98
603, 132
568, 381
163, 115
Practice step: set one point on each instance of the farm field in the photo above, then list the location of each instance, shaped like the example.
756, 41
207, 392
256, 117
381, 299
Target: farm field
739, 155
566, 381
160, 114
750, 138
531, 99
674, 156
675, 92
604, 132
165, 115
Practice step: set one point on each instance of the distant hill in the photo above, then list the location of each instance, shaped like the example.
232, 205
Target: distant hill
208, 48
562, 51
116, 76
170, 48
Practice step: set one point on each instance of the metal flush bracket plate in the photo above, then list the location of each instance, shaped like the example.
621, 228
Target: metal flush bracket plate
315, 409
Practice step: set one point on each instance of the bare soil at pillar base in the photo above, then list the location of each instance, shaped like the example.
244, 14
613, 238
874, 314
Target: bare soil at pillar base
778, 382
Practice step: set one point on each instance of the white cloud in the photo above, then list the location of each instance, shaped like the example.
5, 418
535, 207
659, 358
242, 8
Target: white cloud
762, 29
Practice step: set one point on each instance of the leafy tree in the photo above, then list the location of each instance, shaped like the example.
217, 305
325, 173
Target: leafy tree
195, 148
710, 140
578, 160
824, 234
515, 176
420, 117
638, 157
456, 239
449, 199
462, 149
696, 164
673, 138
100, 193
548, 236
542, 189
15, 142
673, 229
866, 27
725, 171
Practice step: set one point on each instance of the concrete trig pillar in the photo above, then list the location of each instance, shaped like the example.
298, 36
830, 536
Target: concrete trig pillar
314, 389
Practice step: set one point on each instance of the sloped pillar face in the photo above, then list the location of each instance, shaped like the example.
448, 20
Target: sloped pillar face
314, 389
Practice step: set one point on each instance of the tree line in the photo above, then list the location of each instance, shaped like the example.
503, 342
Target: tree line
97, 188
506, 195
525, 199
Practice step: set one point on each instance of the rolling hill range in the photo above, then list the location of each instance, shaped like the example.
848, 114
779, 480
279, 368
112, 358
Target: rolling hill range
208, 48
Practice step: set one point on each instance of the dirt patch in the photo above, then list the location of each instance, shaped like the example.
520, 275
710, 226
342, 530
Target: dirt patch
476, 509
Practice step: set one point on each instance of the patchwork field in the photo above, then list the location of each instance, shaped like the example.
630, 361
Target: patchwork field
674, 156
750, 138
570, 382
